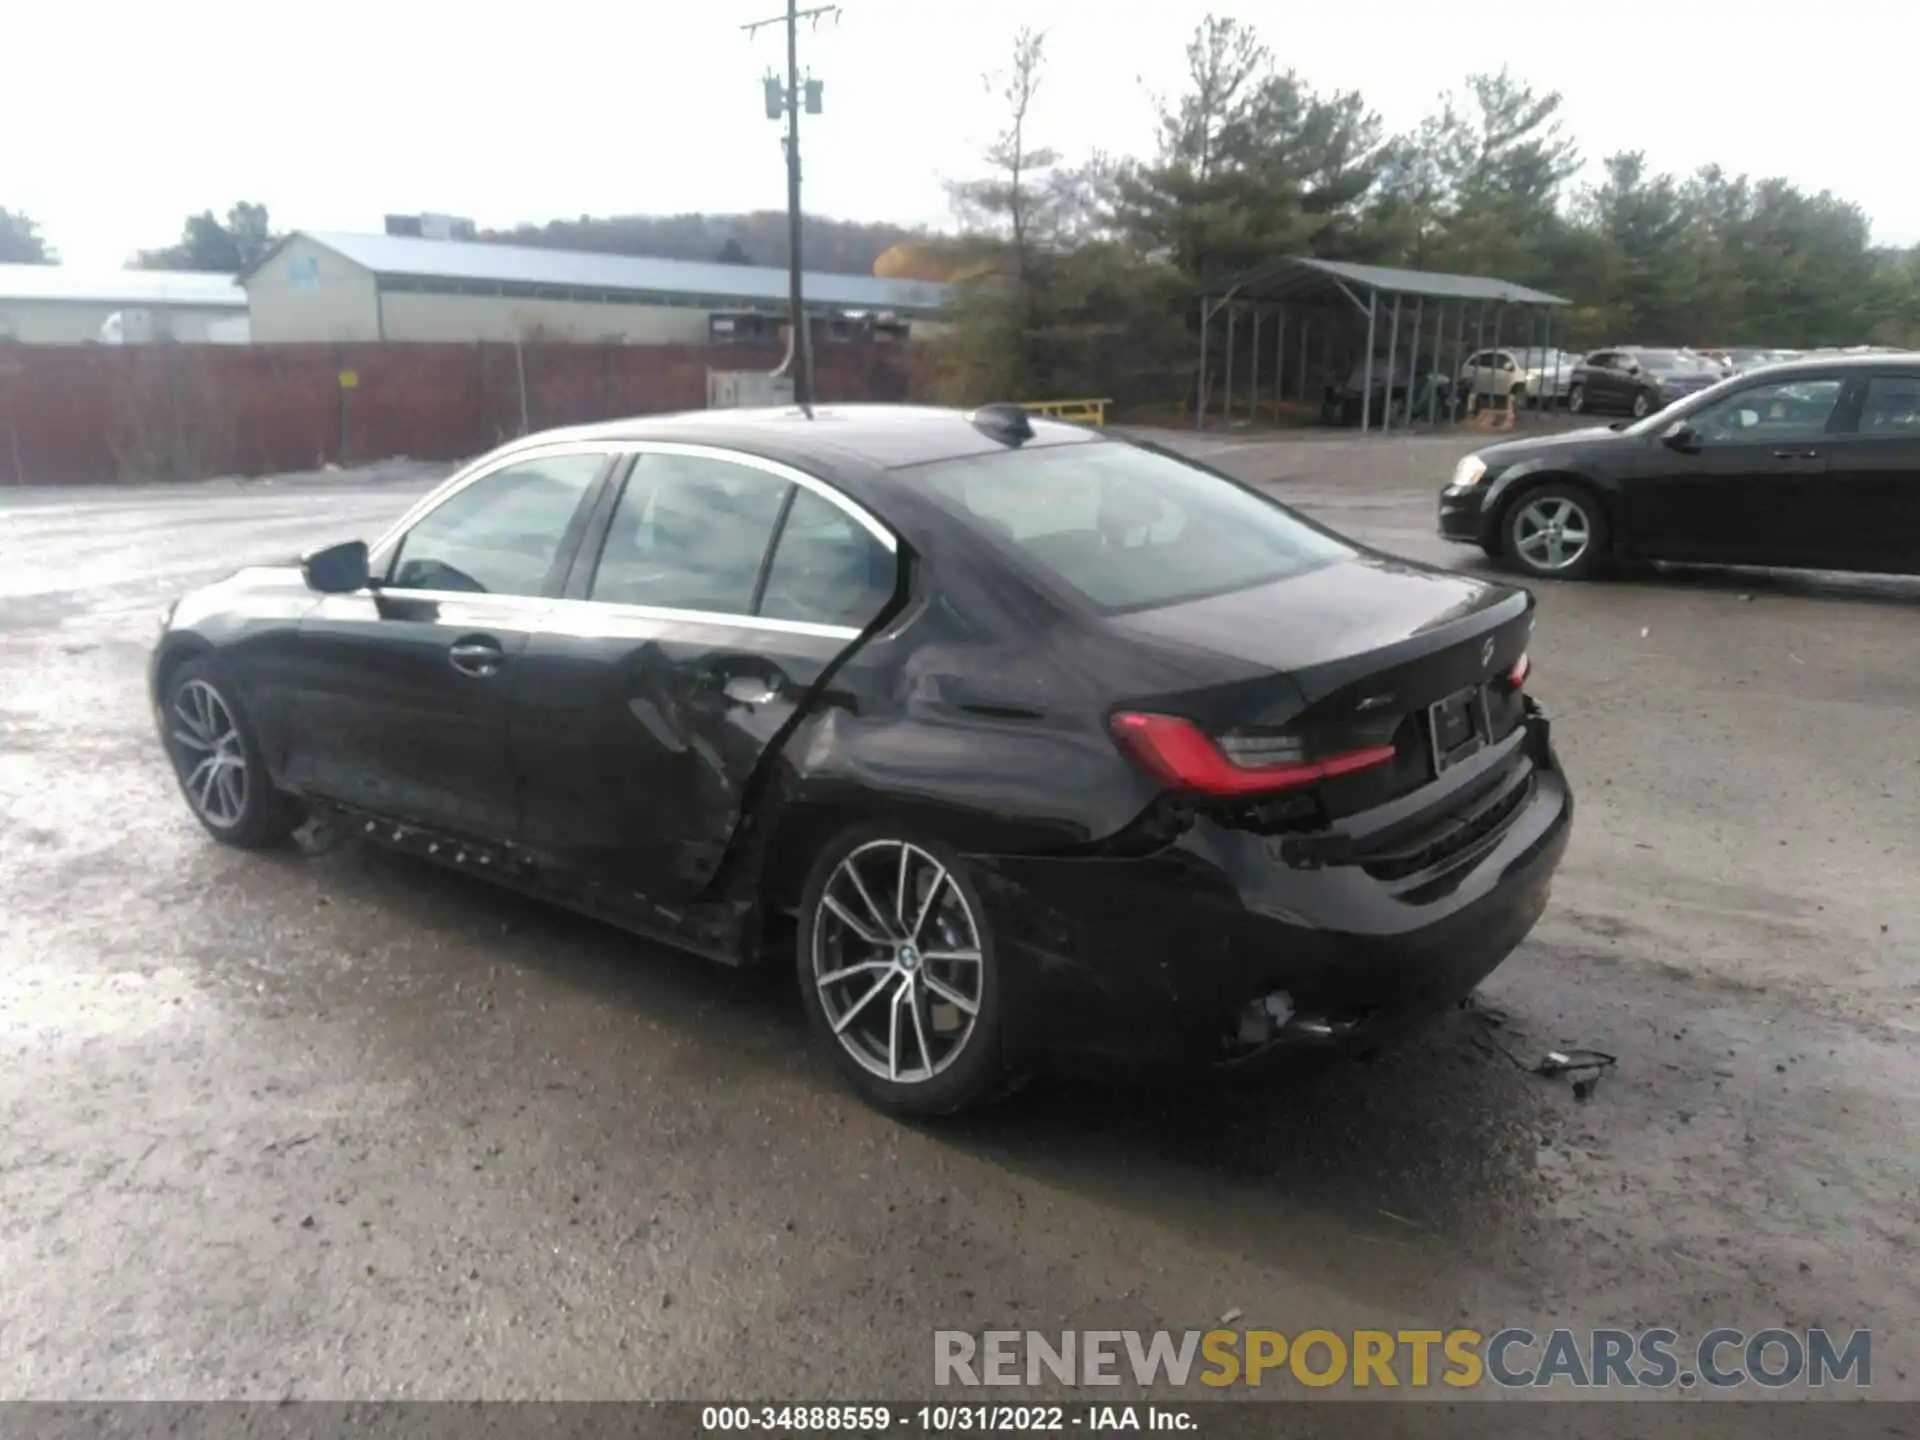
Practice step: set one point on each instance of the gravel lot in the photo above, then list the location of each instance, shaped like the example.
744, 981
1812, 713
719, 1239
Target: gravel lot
338, 1125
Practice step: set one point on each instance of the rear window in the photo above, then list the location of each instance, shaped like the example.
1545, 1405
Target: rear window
1125, 528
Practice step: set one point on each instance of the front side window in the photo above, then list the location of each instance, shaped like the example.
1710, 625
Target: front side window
690, 533
499, 535
827, 568
1127, 528
1786, 410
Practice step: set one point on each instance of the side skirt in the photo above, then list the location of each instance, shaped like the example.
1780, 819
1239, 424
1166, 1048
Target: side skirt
714, 930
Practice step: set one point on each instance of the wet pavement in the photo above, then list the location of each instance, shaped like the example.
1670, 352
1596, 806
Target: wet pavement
336, 1124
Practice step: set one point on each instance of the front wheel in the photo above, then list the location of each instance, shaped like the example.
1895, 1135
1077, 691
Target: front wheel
1642, 404
1577, 400
898, 972
1558, 532
218, 763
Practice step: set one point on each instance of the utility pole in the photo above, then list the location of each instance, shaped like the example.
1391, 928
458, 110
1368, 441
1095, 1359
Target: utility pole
787, 99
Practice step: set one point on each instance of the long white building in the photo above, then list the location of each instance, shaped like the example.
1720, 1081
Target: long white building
61, 305
323, 286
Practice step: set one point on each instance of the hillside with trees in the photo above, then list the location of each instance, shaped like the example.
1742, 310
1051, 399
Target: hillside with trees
838, 247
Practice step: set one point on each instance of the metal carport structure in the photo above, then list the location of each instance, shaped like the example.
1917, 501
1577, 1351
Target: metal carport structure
1307, 287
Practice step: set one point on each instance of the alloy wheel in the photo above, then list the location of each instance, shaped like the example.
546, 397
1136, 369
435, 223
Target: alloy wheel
1577, 399
1641, 405
209, 754
1552, 532
897, 961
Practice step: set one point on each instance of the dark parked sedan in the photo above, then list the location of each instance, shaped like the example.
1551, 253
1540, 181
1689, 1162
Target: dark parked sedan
1813, 464
1638, 381
1034, 745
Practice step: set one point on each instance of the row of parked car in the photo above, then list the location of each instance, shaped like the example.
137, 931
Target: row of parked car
1635, 380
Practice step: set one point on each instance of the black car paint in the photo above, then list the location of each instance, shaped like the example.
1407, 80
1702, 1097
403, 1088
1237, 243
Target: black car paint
976, 706
1844, 502
1617, 386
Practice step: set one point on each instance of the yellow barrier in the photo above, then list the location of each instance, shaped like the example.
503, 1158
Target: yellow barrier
1078, 412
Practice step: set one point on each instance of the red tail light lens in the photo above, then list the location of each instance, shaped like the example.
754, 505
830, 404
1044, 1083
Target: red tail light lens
1516, 677
1178, 752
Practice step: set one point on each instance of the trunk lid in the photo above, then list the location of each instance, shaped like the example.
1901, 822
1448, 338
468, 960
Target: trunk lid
1348, 657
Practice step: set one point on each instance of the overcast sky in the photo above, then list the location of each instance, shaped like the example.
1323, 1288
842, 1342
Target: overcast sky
120, 118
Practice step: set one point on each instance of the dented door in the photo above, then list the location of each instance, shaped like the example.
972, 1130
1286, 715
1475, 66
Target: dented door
724, 590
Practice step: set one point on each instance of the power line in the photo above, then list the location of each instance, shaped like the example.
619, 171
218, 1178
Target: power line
789, 98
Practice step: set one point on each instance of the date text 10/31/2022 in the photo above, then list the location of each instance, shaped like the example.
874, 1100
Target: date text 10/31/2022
943, 1419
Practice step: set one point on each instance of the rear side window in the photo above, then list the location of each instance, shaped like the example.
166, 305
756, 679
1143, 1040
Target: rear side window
827, 568
689, 534
1892, 407
1126, 528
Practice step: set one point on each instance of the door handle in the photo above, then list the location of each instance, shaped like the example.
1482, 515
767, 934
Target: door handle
1796, 454
751, 690
479, 657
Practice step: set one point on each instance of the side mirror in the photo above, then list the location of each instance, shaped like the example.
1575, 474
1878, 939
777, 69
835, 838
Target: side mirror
1680, 436
337, 570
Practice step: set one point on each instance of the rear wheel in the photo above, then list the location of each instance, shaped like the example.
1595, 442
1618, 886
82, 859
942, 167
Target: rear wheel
1557, 532
1577, 399
897, 970
218, 763
1642, 404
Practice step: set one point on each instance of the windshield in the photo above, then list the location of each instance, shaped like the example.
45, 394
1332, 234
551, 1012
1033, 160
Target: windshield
1126, 528
1674, 360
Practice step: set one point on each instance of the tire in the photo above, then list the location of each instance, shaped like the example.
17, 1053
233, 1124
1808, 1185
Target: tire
1643, 405
1573, 508
914, 1051
217, 761
1577, 400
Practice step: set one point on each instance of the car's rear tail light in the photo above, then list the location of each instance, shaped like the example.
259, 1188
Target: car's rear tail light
1516, 677
1178, 752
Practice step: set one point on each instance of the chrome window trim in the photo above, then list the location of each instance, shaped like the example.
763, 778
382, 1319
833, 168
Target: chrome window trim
586, 611
826, 492
533, 603
488, 464
540, 611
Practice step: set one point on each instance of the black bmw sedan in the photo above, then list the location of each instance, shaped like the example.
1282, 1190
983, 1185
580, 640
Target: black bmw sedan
1814, 464
1638, 380
1029, 744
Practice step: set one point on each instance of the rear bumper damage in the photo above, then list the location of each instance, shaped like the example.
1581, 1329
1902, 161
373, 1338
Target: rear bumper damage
1229, 945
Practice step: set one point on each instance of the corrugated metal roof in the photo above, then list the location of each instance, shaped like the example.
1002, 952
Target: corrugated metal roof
534, 265
1299, 276
120, 287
